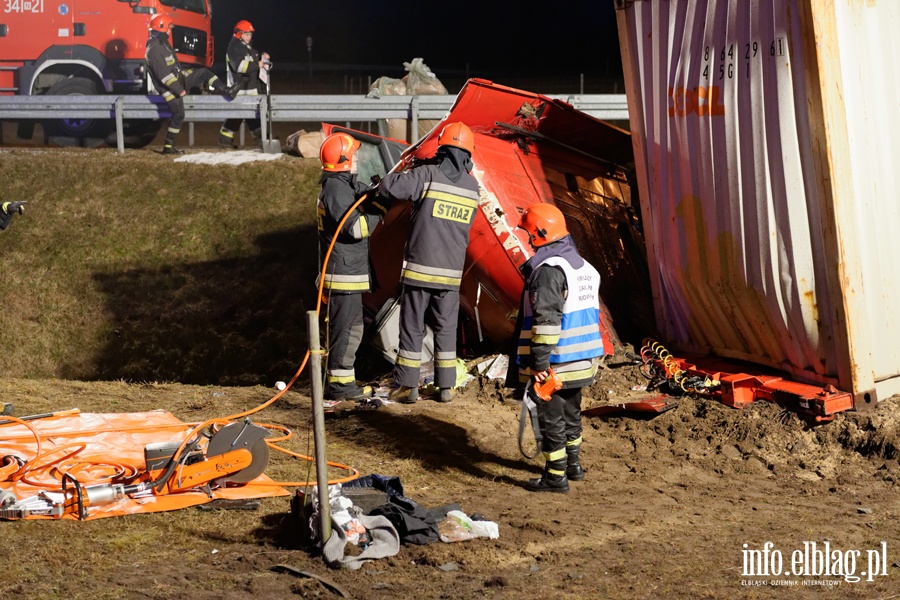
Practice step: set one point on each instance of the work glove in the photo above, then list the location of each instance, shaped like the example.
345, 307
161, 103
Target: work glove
11, 208
374, 204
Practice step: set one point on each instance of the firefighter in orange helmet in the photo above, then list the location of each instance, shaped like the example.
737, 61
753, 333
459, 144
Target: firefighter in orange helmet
173, 81
248, 68
347, 275
559, 328
444, 196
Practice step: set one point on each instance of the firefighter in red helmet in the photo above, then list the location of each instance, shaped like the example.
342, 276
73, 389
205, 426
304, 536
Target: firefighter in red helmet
444, 196
347, 275
248, 68
173, 81
559, 328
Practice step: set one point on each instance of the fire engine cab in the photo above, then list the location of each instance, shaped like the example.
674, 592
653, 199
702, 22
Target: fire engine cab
87, 47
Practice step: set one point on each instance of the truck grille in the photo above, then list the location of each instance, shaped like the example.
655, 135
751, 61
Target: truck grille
187, 40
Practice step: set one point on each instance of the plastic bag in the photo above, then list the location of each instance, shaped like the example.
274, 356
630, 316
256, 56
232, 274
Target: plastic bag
458, 527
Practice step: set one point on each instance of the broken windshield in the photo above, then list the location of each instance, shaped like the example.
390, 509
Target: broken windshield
197, 6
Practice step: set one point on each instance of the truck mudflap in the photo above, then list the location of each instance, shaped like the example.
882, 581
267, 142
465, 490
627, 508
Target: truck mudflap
531, 148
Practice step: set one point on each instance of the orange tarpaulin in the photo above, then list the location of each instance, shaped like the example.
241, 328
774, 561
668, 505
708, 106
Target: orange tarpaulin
104, 448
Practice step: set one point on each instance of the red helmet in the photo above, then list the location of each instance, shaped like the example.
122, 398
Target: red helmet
459, 135
242, 27
336, 152
161, 22
544, 223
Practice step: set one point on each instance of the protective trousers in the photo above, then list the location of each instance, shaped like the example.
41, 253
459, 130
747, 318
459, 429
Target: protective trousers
226, 133
345, 331
560, 421
193, 78
441, 309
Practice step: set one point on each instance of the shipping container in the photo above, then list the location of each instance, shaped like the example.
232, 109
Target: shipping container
766, 137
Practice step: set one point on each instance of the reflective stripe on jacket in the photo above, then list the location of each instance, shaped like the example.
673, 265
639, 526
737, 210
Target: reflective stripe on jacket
242, 61
348, 265
442, 214
165, 70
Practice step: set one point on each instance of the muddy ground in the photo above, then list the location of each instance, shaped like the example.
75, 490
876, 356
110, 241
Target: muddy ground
668, 508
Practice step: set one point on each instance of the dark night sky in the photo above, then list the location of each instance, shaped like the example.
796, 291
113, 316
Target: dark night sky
579, 38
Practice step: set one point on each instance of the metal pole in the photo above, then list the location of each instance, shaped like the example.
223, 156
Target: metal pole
318, 409
120, 125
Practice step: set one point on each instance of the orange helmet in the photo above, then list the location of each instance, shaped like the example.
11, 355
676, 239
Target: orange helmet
242, 27
336, 152
161, 22
544, 223
459, 135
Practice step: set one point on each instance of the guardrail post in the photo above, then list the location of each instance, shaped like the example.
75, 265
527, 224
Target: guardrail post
414, 109
191, 134
120, 125
264, 109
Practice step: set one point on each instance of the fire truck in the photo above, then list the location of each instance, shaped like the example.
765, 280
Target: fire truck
89, 47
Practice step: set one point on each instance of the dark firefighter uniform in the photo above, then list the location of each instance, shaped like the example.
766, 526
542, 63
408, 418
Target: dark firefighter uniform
7, 210
242, 62
170, 80
347, 275
445, 199
560, 315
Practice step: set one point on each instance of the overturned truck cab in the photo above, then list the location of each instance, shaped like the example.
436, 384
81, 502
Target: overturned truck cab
529, 149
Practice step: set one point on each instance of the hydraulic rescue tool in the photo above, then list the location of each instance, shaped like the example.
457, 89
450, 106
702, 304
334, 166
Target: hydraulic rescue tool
236, 454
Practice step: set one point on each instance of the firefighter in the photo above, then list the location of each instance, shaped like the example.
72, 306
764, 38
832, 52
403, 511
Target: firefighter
173, 81
249, 68
347, 275
7, 210
559, 328
444, 194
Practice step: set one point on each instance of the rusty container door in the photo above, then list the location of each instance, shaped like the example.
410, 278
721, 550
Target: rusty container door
766, 136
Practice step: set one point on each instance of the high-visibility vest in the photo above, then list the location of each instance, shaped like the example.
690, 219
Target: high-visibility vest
577, 338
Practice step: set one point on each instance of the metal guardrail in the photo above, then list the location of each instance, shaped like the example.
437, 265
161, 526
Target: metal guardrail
284, 108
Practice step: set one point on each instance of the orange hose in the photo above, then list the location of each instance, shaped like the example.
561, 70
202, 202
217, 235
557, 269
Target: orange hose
13, 472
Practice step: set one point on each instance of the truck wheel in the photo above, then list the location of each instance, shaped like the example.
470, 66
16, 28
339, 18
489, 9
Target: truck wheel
86, 133
137, 133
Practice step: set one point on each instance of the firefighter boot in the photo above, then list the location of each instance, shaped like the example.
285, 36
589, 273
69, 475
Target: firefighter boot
574, 470
226, 139
227, 92
405, 394
446, 395
169, 143
351, 392
553, 480
256, 134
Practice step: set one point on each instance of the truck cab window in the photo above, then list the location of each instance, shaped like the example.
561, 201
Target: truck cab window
197, 6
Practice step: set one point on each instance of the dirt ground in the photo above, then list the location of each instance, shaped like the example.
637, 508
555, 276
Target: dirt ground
669, 508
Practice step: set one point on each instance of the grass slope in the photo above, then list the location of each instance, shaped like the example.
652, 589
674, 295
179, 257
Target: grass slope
140, 268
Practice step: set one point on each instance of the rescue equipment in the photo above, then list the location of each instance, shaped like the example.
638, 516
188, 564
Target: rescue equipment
720, 380
209, 459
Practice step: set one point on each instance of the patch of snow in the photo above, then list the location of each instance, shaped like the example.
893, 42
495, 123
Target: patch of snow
232, 157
